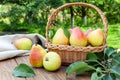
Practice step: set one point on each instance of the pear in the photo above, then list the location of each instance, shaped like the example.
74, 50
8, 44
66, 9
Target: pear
52, 61
23, 43
36, 55
78, 38
95, 38
60, 38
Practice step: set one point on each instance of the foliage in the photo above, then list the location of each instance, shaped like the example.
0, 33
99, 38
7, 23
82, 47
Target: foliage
103, 67
21, 14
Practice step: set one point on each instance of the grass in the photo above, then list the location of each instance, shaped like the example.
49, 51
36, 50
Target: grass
113, 38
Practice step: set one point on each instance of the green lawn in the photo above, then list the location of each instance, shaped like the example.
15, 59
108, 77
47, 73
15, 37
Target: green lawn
113, 38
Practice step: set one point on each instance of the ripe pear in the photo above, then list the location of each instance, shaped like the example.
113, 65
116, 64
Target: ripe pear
23, 43
36, 55
95, 38
60, 38
78, 38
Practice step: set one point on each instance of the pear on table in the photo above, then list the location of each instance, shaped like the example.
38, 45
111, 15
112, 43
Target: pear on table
52, 61
23, 43
36, 55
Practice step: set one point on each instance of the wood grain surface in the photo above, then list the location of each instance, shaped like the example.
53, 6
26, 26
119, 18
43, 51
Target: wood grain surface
7, 67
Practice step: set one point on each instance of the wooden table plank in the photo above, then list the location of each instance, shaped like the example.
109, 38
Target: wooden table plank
7, 66
6, 69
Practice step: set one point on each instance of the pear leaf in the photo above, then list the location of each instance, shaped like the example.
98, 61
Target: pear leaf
109, 51
23, 70
51, 34
97, 76
117, 59
92, 56
94, 76
109, 77
115, 69
78, 67
66, 32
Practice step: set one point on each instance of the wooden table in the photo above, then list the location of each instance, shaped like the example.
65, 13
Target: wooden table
7, 66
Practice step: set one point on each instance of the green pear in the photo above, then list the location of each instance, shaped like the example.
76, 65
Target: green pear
78, 38
60, 38
52, 61
23, 43
36, 55
95, 38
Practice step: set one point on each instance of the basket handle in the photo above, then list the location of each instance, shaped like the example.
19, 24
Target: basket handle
55, 13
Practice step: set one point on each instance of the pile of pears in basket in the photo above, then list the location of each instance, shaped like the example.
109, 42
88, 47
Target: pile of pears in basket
78, 37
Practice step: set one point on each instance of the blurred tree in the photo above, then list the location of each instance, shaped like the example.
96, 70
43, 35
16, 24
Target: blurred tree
29, 13
21, 14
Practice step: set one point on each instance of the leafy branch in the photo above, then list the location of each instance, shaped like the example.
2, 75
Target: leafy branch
104, 66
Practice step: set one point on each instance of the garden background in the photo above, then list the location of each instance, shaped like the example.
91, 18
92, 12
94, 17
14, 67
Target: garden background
30, 16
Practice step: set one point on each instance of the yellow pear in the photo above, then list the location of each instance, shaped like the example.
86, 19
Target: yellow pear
60, 38
95, 38
23, 43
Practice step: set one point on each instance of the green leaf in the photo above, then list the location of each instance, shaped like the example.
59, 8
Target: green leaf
95, 76
51, 34
79, 71
117, 76
78, 67
109, 51
100, 2
99, 70
66, 32
115, 69
91, 61
109, 77
118, 1
117, 59
23, 70
91, 56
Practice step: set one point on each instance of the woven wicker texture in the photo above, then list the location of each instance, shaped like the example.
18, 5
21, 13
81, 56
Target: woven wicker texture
70, 54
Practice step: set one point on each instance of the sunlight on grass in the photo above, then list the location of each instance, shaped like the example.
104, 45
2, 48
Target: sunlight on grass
113, 38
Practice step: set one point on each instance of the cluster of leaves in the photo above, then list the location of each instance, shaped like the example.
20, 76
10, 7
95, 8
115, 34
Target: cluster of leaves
103, 67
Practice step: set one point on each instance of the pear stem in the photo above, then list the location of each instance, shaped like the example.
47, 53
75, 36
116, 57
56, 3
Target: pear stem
36, 40
36, 43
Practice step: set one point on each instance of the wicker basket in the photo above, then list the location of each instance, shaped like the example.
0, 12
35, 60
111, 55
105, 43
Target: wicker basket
70, 54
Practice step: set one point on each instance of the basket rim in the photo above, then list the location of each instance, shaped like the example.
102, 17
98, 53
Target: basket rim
55, 13
75, 48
